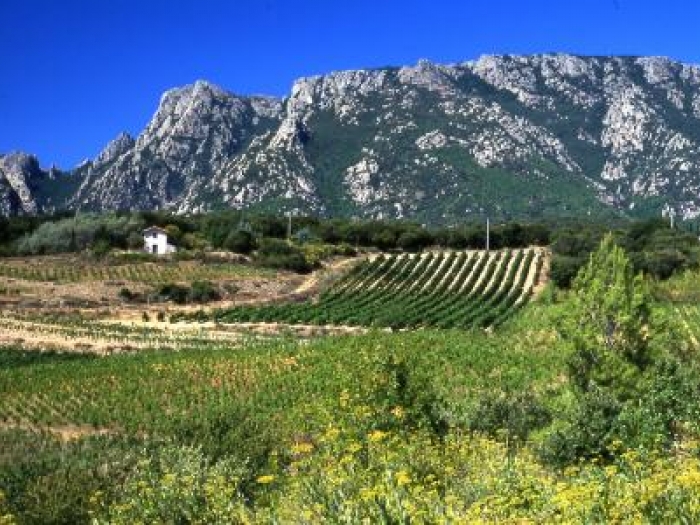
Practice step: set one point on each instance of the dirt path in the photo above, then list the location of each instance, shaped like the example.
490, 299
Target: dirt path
333, 269
543, 277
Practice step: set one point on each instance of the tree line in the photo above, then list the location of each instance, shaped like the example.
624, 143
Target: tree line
653, 246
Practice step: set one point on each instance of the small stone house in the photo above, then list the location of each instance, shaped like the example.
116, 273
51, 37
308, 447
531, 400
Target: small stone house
155, 241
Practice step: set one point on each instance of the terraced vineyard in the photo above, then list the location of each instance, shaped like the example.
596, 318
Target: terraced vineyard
440, 289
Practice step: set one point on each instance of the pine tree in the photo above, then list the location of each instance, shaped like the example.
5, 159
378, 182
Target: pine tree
608, 324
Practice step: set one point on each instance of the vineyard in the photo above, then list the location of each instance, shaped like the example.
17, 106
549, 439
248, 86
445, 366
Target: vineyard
127, 417
96, 334
69, 271
434, 289
130, 393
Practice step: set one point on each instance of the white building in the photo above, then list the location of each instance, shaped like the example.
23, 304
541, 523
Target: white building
155, 240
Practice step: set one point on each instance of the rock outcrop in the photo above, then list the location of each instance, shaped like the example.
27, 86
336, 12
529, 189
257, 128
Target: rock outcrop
511, 136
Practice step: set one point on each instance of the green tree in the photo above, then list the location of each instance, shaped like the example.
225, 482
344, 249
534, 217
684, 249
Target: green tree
174, 234
240, 241
135, 241
608, 323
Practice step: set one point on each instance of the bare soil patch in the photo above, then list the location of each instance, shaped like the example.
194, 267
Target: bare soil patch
65, 433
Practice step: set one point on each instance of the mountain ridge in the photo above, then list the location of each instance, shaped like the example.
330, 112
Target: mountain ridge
512, 136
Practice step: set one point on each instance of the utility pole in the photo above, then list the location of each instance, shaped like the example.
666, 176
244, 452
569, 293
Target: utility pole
289, 225
672, 216
488, 234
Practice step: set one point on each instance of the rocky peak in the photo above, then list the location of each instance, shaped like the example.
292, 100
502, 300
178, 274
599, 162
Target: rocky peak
188, 111
18, 163
658, 70
22, 173
430, 76
509, 73
115, 149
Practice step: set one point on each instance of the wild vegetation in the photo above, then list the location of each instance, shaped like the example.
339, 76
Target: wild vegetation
583, 407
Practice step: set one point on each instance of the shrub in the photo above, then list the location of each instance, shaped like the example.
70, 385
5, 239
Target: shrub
100, 248
240, 241
45, 480
414, 240
668, 407
516, 414
231, 288
620, 388
79, 233
588, 430
126, 294
174, 292
203, 292
405, 386
564, 269
275, 253
174, 234
176, 484
134, 241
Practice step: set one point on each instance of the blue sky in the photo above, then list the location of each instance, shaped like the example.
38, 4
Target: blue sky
77, 72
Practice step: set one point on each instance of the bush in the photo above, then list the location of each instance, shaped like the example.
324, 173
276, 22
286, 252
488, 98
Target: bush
275, 253
405, 386
240, 241
608, 323
134, 241
174, 292
564, 268
517, 414
414, 240
45, 480
624, 388
669, 405
176, 484
101, 248
588, 430
203, 292
126, 294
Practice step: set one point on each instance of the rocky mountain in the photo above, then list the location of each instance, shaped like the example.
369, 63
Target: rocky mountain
20, 181
511, 136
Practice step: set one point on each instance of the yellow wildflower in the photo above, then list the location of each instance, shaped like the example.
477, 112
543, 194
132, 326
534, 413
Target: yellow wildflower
367, 494
377, 436
354, 447
302, 448
402, 478
266, 479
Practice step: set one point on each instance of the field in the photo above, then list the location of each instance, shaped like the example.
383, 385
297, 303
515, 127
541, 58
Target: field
441, 289
75, 281
62, 270
294, 416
